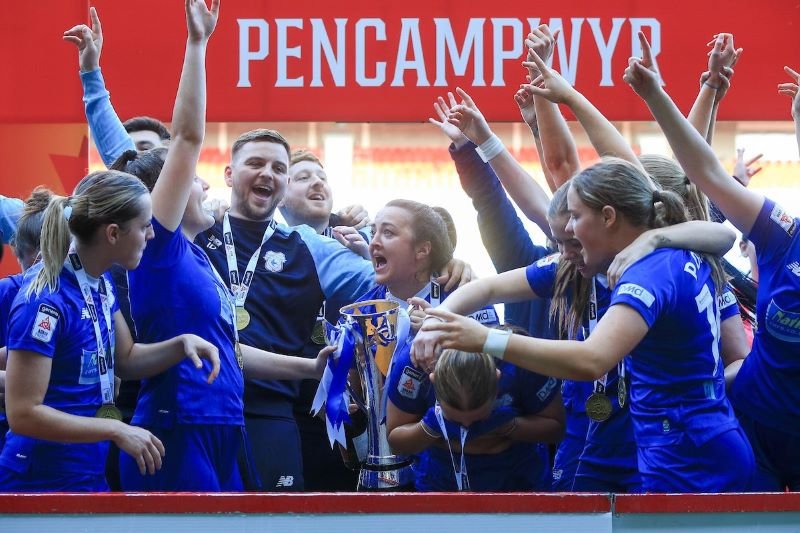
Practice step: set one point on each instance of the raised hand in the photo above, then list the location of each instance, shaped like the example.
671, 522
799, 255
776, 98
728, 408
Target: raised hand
89, 42
722, 53
196, 349
350, 238
742, 170
642, 73
441, 108
542, 42
524, 99
722, 83
354, 215
791, 89
200, 20
549, 84
468, 118
456, 331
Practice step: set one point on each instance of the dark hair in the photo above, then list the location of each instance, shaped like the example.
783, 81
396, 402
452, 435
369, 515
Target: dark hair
147, 124
428, 225
260, 135
465, 380
29, 226
144, 165
106, 197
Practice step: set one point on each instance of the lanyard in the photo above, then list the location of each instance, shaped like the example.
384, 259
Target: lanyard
232, 306
240, 287
462, 479
600, 384
104, 360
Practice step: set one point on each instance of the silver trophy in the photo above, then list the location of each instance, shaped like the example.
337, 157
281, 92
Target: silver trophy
376, 323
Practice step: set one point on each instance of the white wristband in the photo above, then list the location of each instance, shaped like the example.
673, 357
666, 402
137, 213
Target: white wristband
496, 342
490, 148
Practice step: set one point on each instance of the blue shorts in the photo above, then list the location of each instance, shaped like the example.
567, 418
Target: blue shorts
777, 456
199, 458
725, 463
610, 468
569, 450
43, 481
275, 453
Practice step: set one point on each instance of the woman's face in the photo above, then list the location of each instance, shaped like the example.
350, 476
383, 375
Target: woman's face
133, 238
395, 257
587, 225
195, 218
568, 245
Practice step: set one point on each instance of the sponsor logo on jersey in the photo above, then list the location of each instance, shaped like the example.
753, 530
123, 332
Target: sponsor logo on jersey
89, 368
794, 268
85, 314
44, 324
725, 300
638, 292
274, 261
485, 316
782, 324
547, 389
549, 260
783, 219
410, 383
213, 242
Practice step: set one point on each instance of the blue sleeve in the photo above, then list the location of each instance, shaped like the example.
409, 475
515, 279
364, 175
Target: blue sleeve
166, 248
535, 391
504, 236
36, 325
542, 275
409, 388
343, 275
727, 304
645, 288
114, 296
772, 233
8, 291
109, 135
10, 211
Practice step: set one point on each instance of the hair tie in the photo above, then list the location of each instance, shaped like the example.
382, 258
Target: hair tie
68, 208
656, 197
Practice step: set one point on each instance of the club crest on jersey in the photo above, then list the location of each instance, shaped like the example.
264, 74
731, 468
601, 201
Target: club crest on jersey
274, 261
783, 219
410, 383
45, 323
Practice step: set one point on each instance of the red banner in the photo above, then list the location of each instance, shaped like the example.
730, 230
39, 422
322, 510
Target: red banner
386, 61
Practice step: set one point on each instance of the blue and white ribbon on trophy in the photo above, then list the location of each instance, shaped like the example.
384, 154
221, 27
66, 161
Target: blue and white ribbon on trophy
332, 393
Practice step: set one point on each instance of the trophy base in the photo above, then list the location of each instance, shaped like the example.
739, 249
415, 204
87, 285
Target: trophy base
386, 478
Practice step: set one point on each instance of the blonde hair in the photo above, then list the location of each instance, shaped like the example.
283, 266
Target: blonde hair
465, 380
671, 177
106, 197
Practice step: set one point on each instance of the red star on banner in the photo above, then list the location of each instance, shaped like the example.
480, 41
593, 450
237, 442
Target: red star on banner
71, 169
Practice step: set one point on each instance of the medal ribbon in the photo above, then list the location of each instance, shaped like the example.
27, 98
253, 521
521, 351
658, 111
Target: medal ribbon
599, 384
231, 305
462, 479
104, 361
240, 287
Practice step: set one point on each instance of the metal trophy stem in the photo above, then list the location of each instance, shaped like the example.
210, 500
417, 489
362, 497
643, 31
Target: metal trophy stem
375, 321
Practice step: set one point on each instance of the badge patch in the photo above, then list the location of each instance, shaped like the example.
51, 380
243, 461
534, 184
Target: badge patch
410, 383
725, 300
783, 219
274, 261
550, 259
45, 323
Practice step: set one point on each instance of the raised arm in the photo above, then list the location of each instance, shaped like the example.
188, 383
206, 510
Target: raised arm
603, 135
171, 192
557, 150
527, 194
791, 89
714, 84
107, 130
698, 160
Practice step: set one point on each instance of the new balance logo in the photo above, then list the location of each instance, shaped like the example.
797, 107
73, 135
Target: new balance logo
285, 481
85, 314
794, 268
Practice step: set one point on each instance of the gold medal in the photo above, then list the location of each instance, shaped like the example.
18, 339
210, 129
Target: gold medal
622, 392
242, 318
598, 407
318, 335
239, 356
109, 411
